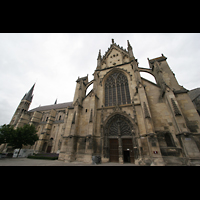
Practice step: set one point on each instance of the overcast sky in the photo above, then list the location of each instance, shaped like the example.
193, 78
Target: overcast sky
55, 60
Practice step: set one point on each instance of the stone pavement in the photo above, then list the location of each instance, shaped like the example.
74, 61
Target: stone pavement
40, 162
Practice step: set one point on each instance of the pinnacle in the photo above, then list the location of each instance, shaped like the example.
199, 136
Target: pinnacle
99, 55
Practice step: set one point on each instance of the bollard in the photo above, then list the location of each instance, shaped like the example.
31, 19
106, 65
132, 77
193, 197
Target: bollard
96, 160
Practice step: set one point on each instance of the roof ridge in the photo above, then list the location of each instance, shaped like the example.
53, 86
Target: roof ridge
196, 97
56, 104
52, 106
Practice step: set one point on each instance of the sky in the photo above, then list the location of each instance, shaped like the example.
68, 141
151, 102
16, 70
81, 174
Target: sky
55, 60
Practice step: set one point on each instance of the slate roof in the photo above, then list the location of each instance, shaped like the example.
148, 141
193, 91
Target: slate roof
53, 106
194, 93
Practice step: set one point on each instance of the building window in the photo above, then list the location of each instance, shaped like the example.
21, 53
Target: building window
168, 140
60, 118
117, 90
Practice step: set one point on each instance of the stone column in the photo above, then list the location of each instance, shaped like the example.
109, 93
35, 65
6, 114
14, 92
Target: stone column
120, 142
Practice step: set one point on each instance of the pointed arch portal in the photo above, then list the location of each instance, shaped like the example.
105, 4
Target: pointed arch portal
119, 125
119, 139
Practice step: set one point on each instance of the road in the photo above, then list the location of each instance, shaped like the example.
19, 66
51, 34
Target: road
40, 162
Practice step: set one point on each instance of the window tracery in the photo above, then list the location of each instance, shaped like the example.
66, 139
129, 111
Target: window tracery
119, 125
117, 90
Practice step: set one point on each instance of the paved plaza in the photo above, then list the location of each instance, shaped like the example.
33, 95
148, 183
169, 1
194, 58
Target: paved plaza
40, 162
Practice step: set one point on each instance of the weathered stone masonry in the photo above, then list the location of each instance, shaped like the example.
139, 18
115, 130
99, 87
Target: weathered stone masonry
124, 118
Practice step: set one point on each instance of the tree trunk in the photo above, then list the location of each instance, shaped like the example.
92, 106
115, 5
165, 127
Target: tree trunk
18, 152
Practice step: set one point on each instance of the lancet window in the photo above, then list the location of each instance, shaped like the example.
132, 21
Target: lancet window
117, 90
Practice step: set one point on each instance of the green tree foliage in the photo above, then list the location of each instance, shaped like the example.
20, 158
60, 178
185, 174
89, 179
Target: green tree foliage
16, 138
6, 133
25, 135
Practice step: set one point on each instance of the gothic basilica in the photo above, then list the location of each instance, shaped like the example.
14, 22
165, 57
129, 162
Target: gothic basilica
124, 118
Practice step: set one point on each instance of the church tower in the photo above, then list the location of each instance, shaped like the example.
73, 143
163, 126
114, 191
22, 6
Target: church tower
122, 106
23, 106
124, 118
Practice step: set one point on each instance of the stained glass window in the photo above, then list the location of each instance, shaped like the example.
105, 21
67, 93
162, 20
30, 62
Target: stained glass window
117, 90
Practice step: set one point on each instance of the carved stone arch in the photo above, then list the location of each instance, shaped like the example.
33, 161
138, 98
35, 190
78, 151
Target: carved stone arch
119, 126
126, 73
122, 116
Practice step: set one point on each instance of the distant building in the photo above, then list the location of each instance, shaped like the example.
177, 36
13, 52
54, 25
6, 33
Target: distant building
124, 118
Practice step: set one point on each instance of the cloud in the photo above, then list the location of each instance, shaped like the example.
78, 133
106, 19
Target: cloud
54, 62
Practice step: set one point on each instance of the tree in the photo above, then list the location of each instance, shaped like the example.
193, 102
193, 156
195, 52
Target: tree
6, 132
16, 138
25, 135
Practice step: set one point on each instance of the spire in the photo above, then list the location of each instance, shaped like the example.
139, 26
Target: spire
130, 51
55, 102
28, 96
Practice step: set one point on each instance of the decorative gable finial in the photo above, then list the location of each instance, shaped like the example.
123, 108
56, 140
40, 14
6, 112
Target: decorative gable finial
113, 41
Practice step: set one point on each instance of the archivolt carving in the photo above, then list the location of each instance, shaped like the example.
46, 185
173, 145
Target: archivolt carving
119, 125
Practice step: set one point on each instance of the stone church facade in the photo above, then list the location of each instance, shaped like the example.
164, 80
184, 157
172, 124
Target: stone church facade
125, 118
